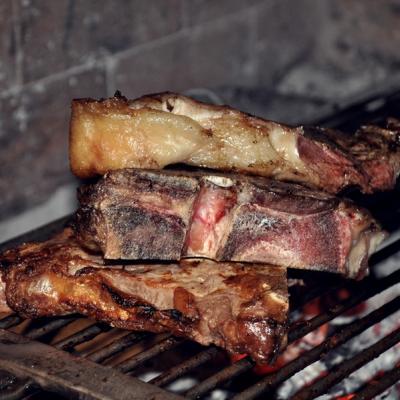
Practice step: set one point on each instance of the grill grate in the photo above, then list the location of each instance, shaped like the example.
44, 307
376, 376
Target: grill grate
341, 371
374, 388
361, 291
100, 347
331, 343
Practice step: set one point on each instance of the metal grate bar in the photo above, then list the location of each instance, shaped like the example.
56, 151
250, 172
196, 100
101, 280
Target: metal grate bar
132, 362
51, 326
12, 388
334, 341
39, 234
116, 346
18, 391
374, 388
58, 371
322, 288
384, 253
185, 367
359, 112
315, 292
220, 377
10, 321
344, 369
82, 336
363, 290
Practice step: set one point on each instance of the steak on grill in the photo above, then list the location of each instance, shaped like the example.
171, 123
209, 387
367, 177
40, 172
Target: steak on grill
169, 215
158, 130
240, 307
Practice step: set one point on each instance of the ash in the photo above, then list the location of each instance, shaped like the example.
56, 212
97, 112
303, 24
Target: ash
385, 362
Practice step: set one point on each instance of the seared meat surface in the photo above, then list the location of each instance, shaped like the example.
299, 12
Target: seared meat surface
169, 215
158, 130
240, 307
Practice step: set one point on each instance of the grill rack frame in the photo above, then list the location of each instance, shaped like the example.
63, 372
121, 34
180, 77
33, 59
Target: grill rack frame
24, 386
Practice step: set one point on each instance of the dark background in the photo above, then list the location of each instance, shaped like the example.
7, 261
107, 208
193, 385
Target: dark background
290, 60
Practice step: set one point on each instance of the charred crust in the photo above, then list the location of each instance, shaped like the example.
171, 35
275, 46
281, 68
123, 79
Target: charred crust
24, 307
208, 132
127, 218
178, 188
164, 236
129, 302
277, 339
318, 134
5, 264
30, 270
394, 146
85, 271
169, 105
182, 184
87, 226
179, 319
175, 314
145, 311
119, 95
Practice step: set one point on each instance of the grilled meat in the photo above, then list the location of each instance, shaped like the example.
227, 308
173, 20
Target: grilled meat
3, 303
158, 130
169, 215
240, 307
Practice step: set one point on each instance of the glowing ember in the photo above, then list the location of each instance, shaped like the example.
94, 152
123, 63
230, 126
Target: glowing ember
369, 373
385, 362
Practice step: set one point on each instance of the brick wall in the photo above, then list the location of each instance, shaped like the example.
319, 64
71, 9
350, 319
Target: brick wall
284, 59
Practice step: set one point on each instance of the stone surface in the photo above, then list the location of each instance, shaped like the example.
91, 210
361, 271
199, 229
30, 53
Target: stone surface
214, 55
203, 11
269, 104
57, 35
355, 50
7, 46
58, 204
285, 35
282, 59
34, 139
